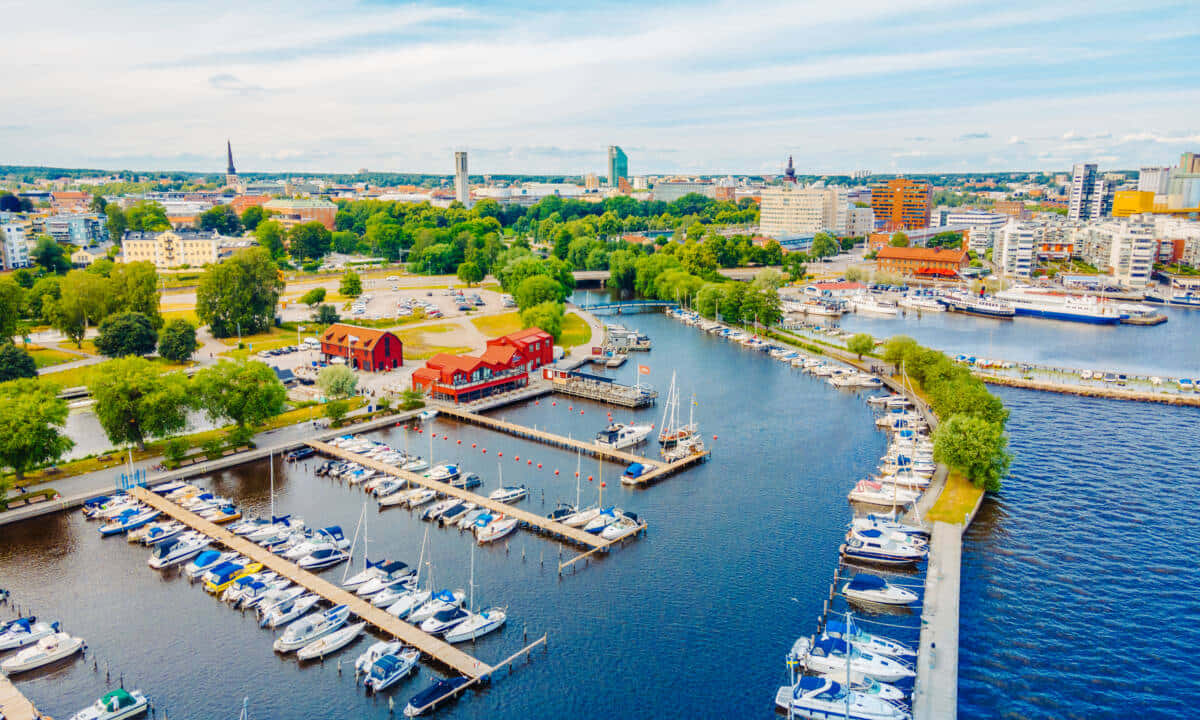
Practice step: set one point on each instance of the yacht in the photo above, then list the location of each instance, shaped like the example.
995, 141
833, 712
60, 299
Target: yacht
509, 494
466, 481
455, 512
582, 517
205, 561
311, 628
129, 519
24, 631
828, 655
221, 578
983, 306
415, 465
49, 649
820, 697
377, 650
115, 705
884, 551
871, 643
390, 668
331, 642
441, 600
274, 598
627, 523
287, 611
155, 532
408, 602
444, 473
477, 625
435, 511
619, 435
390, 594
921, 303
221, 514
168, 487
322, 558
1027, 301
603, 519
868, 492
499, 527
389, 575
438, 690
177, 550
884, 522
873, 305
372, 571
874, 589
330, 537
421, 496
444, 620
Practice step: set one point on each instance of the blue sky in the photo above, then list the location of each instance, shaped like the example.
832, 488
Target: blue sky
700, 87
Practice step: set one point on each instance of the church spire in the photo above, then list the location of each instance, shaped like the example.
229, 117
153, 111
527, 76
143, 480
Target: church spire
789, 174
229, 152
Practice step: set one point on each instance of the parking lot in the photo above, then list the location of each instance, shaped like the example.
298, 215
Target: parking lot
382, 299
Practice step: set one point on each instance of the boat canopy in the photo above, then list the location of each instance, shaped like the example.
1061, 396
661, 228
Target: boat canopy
829, 646
206, 557
117, 699
449, 614
393, 567
867, 582
21, 624
809, 682
635, 470
385, 666
444, 596
334, 532
870, 533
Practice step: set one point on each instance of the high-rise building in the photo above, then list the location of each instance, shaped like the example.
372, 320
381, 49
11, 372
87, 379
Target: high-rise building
1183, 186
790, 211
462, 187
618, 166
1091, 197
1124, 248
591, 183
901, 204
14, 249
1154, 180
982, 227
1013, 252
1189, 163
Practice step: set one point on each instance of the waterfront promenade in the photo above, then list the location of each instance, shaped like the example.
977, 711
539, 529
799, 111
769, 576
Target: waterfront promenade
14, 705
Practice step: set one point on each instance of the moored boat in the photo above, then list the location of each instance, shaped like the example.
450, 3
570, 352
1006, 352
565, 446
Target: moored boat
49, 649
115, 705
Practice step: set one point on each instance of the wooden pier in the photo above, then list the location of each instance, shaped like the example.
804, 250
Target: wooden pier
438, 649
544, 524
14, 705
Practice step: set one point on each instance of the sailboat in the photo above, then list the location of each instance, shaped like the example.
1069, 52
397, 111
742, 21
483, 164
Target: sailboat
409, 600
673, 433
477, 624
581, 518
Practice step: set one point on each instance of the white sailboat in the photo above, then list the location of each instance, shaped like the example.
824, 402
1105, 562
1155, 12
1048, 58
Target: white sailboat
477, 624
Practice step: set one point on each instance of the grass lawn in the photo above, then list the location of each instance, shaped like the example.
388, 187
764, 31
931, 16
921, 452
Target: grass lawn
254, 347
45, 357
956, 501
185, 314
496, 325
86, 346
575, 331
78, 376
421, 343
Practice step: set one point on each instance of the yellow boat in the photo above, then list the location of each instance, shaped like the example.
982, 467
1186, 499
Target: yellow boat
218, 584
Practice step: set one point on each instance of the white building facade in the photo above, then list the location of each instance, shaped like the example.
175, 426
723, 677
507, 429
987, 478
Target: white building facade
14, 247
790, 211
1125, 249
982, 227
1013, 253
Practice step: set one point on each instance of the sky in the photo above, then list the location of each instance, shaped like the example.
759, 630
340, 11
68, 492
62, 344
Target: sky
889, 86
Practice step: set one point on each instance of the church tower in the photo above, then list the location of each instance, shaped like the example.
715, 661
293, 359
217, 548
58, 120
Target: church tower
231, 178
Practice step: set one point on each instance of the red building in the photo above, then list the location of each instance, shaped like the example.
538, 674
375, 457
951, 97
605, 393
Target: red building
503, 366
362, 348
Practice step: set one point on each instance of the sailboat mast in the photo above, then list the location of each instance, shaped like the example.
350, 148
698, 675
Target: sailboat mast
471, 604
271, 461
578, 467
849, 657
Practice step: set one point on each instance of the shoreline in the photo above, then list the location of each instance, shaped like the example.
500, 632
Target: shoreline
1090, 391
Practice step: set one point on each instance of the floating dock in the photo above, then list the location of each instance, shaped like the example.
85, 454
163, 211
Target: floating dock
14, 705
598, 387
431, 646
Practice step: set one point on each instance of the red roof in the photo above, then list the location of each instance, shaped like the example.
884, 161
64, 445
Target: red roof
945, 272
339, 334
499, 355
839, 286
528, 335
922, 254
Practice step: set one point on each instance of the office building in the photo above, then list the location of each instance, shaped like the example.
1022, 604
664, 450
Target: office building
173, 248
1183, 185
901, 204
1126, 249
982, 227
1091, 196
296, 211
1013, 252
790, 211
462, 184
618, 166
1154, 180
860, 221
672, 191
77, 229
14, 247
591, 183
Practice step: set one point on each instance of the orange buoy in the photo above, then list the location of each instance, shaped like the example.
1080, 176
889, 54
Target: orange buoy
589, 478
472, 444
576, 473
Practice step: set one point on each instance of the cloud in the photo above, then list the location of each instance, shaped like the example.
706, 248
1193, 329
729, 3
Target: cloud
975, 136
232, 84
1015, 140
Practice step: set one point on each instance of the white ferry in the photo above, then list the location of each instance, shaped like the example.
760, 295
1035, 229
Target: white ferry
1029, 302
984, 306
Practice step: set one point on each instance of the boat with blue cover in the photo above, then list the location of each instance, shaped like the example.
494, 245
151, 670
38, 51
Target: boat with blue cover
420, 702
874, 547
323, 558
867, 641
390, 669
24, 631
824, 699
864, 587
389, 575
311, 628
177, 550
439, 601
207, 560
828, 655
129, 519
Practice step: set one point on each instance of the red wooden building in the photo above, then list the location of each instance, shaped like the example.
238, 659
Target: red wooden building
503, 366
362, 348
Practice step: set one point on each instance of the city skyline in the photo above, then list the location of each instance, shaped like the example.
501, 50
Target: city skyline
709, 89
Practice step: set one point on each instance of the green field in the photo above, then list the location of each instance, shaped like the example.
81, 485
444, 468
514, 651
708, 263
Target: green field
45, 357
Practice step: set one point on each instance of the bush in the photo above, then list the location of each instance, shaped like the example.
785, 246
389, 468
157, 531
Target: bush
177, 342
412, 399
213, 448
336, 410
175, 449
241, 436
130, 333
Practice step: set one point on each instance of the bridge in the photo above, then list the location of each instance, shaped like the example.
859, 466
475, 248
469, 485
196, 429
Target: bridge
627, 306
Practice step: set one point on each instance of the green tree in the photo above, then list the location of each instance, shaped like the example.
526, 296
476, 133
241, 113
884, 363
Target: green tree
32, 420
313, 297
546, 315
351, 284
622, 269
12, 304
337, 381
41, 297
768, 278
245, 392
252, 216
974, 447
336, 410
794, 264
98, 204
116, 222
177, 341
22, 276
147, 216
269, 234
310, 240
860, 343
469, 273
326, 315
221, 218
130, 333
50, 255
899, 240
135, 402
16, 363
537, 289
824, 245
239, 293
134, 287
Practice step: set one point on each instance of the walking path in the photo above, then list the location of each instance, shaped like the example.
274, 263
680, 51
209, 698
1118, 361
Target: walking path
935, 694
14, 705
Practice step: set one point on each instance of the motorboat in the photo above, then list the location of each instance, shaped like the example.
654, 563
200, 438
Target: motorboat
882, 551
207, 560
168, 487
823, 698
874, 589
563, 510
627, 523
390, 668
440, 600
25, 631
421, 496
982, 306
105, 507
871, 643
387, 487
177, 550
130, 519
452, 514
620, 435
370, 572
159, 529
276, 597
377, 650
435, 511
443, 473
469, 517
221, 514
218, 582
330, 537
477, 625
439, 689
426, 415
466, 481
873, 305
311, 628
389, 575
870, 686
509, 494
408, 602
582, 517
868, 492
52, 648
246, 592
884, 522
501, 526
415, 465
603, 519
399, 497
390, 594
829, 656
921, 303
331, 642
278, 526
287, 611
115, 705
322, 558
444, 620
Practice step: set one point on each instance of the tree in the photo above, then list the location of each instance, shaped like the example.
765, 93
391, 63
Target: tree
32, 420
546, 315
22, 276
117, 223
313, 297
50, 255
899, 240
42, 295
855, 274
134, 287
134, 401
768, 278
130, 333
537, 289
793, 263
269, 234
337, 381
469, 273
860, 343
177, 341
239, 293
252, 216
147, 216
16, 363
974, 447
824, 245
326, 315
310, 240
351, 284
245, 392
336, 410
221, 218
12, 302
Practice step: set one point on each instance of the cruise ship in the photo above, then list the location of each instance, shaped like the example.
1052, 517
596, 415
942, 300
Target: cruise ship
1073, 308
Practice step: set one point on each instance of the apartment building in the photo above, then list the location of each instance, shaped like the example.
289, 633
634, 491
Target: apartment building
173, 248
790, 211
1013, 253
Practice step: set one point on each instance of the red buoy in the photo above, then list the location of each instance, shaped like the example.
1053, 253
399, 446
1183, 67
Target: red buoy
459, 442
472, 444
539, 466
589, 478
555, 472
714, 437
528, 462
485, 451
518, 458
499, 454
603, 484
